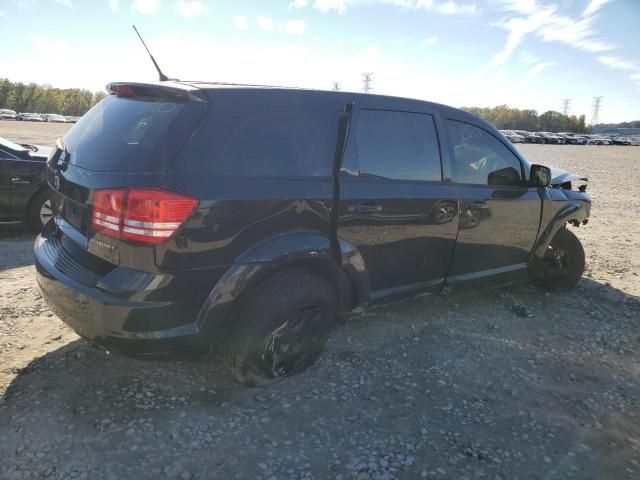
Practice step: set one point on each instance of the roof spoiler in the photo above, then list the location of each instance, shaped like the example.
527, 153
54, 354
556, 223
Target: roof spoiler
165, 91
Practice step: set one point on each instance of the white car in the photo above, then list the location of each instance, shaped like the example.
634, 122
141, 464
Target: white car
6, 114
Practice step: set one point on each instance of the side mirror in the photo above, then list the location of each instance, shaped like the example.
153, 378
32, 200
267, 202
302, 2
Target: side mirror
540, 176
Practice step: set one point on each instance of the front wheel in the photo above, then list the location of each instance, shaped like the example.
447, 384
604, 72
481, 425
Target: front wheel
282, 327
563, 263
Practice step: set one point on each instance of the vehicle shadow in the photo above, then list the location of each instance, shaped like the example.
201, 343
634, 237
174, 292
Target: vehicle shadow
16, 246
92, 379
457, 363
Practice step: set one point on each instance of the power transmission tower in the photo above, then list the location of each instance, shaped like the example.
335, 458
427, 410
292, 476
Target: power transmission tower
367, 78
597, 102
566, 106
335, 86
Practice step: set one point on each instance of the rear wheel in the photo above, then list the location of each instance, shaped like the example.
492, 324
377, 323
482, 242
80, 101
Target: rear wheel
40, 211
282, 328
563, 263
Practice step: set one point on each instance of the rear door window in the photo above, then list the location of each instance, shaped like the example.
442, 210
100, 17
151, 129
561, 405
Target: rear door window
129, 135
394, 145
286, 143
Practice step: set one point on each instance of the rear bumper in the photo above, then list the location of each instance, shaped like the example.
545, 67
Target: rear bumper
127, 321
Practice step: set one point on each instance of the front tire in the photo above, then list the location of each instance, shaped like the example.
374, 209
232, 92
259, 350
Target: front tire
282, 328
563, 263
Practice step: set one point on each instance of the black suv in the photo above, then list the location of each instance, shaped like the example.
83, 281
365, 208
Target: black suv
251, 220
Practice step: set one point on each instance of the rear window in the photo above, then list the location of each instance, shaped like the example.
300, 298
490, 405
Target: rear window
129, 135
287, 143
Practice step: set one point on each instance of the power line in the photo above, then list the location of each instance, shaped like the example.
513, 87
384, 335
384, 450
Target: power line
597, 102
335, 86
367, 78
566, 106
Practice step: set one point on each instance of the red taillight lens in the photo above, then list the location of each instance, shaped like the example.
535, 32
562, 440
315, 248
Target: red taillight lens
123, 91
140, 215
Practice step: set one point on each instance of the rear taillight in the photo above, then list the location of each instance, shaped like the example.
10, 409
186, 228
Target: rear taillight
140, 215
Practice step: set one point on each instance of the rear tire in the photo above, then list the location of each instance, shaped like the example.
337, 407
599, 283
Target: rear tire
563, 263
282, 328
39, 211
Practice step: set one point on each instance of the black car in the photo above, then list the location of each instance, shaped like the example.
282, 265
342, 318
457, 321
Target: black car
24, 195
530, 137
251, 220
551, 137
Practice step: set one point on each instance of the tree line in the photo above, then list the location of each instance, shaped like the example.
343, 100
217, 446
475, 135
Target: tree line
31, 97
508, 118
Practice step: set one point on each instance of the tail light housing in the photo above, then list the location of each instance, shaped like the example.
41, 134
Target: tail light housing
140, 215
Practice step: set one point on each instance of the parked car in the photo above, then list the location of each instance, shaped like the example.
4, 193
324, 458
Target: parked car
530, 137
551, 137
597, 140
512, 136
71, 119
24, 195
54, 118
573, 138
6, 114
253, 227
30, 117
620, 140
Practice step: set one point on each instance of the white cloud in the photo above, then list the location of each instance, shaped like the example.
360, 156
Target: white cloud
528, 17
593, 7
537, 70
452, 8
241, 22
340, 6
429, 41
193, 8
527, 58
66, 3
266, 24
294, 27
50, 45
617, 63
145, 7
114, 5
448, 7
299, 3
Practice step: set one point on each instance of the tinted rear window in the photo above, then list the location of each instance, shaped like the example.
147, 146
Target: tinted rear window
128, 135
292, 143
395, 145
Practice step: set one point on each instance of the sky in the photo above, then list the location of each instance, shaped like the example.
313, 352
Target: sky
523, 53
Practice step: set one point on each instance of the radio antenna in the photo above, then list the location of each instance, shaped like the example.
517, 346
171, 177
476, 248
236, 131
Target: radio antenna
163, 77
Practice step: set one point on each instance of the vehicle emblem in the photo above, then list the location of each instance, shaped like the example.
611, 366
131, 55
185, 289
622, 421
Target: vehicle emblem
56, 182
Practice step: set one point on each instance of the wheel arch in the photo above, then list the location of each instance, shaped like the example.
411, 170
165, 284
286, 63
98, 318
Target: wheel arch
338, 262
575, 213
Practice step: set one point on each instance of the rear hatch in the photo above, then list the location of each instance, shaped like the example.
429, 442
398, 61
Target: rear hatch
120, 150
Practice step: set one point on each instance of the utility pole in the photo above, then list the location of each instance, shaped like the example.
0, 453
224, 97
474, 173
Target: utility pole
566, 106
367, 78
597, 101
335, 86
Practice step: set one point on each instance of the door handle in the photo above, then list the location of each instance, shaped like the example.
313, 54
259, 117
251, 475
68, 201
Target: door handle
368, 208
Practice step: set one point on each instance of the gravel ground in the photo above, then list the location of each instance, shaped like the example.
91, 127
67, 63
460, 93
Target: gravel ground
443, 387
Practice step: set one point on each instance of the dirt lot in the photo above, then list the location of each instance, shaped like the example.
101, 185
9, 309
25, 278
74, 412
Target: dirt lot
438, 387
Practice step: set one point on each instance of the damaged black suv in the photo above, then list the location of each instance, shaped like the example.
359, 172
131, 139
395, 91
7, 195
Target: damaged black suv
250, 220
